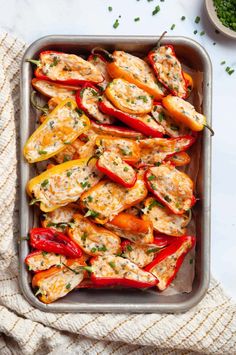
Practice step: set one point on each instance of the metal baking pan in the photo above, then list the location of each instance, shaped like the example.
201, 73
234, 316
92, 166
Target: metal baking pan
125, 300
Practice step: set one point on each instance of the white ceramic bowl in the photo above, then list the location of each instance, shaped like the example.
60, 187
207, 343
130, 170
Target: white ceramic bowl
215, 20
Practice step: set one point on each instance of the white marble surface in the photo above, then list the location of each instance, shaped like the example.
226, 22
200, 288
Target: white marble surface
33, 19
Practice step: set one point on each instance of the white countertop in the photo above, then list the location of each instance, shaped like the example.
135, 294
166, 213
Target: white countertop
30, 20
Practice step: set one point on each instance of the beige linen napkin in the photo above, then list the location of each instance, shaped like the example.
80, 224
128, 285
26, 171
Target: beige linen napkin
209, 328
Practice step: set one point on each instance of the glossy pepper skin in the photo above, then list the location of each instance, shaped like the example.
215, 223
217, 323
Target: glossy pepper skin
116, 278
152, 129
68, 80
153, 59
172, 258
116, 131
105, 164
52, 241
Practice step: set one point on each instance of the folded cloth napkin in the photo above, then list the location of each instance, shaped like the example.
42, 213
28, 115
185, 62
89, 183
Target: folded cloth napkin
208, 328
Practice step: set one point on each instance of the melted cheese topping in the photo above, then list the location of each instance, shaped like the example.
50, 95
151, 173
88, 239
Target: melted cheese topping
69, 67
180, 159
172, 128
59, 218
69, 153
173, 186
163, 220
112, 162
138, 69
65, 186
62, 126
186, 109
107, 199
90, 99
134, 236
61, 283
102, 68
43, 261
155, 150
111, 266
166, 268
169, 70
92, 239
128, 97
141, 255
126, 148
54, 90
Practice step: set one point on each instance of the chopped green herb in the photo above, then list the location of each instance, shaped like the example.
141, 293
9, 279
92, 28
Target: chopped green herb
151, 177
167, 198
41, 152
92, 214
129, 247
157, 163
93, 250
84, 184
183, 18
45, 183
142, 97
172, 27
84, 236
197, 19
153, 250
112, 264
116, 23
68, 104
66, 158
102, 248
190, 261
223, 62
155, 203
68, 286
195, 32
68, 173
126, 168
136, 19
156, 10
202, 33
229, 70
89, 198
109, 8
214, 43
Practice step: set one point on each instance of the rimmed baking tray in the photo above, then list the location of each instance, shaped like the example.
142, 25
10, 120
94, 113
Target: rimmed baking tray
125, 300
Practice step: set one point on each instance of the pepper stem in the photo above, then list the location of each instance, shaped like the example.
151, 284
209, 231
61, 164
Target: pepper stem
160, 39
104, 53
96, 156
44, 109
210, 129
34, 61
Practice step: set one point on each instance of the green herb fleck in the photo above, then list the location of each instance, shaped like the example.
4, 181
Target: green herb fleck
136, 19
102, 248
68, 173
129, 247
197, 19
109, 8
45, 183
153, 250
183, 18
112, 264
91, 213
190, 261
68, 286
172, 27
151, 177
126, 168
195, 32
41, 152
167, 198
156, 10
84, 236
116, 23
223, 62
93, 250
202, 33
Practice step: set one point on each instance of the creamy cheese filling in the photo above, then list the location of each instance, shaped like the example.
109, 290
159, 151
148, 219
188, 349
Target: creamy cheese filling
135, 236
63, 127
61, 283
70, 152
139, 254
90, 100
112, 162
126, 148
66, 186
109, 198
137, 68
129, 96
60, 218
92, 239
172, 128
163, 220
43, 261
166, 268
169, 70
173, 186
117, 267
69, 66
155, 150
54, 90
187, 109
102, 68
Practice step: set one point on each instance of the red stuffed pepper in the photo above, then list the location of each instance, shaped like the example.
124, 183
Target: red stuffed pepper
168, 70
51, 89
111, 164
169, 260
170, 186
52, 241
101, 64
142, 123
114, 270
65, 68
116, 131
87, 99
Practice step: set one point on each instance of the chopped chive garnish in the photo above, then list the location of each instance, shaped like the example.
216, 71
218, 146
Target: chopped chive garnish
45, 183
223, 62
68, 286
229, 70
41, 152
214, 43
195, 32
137, 19
156, 10
116, 23
172, 27
183, 18
197, 19
109, 8
202, 33
151, 177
